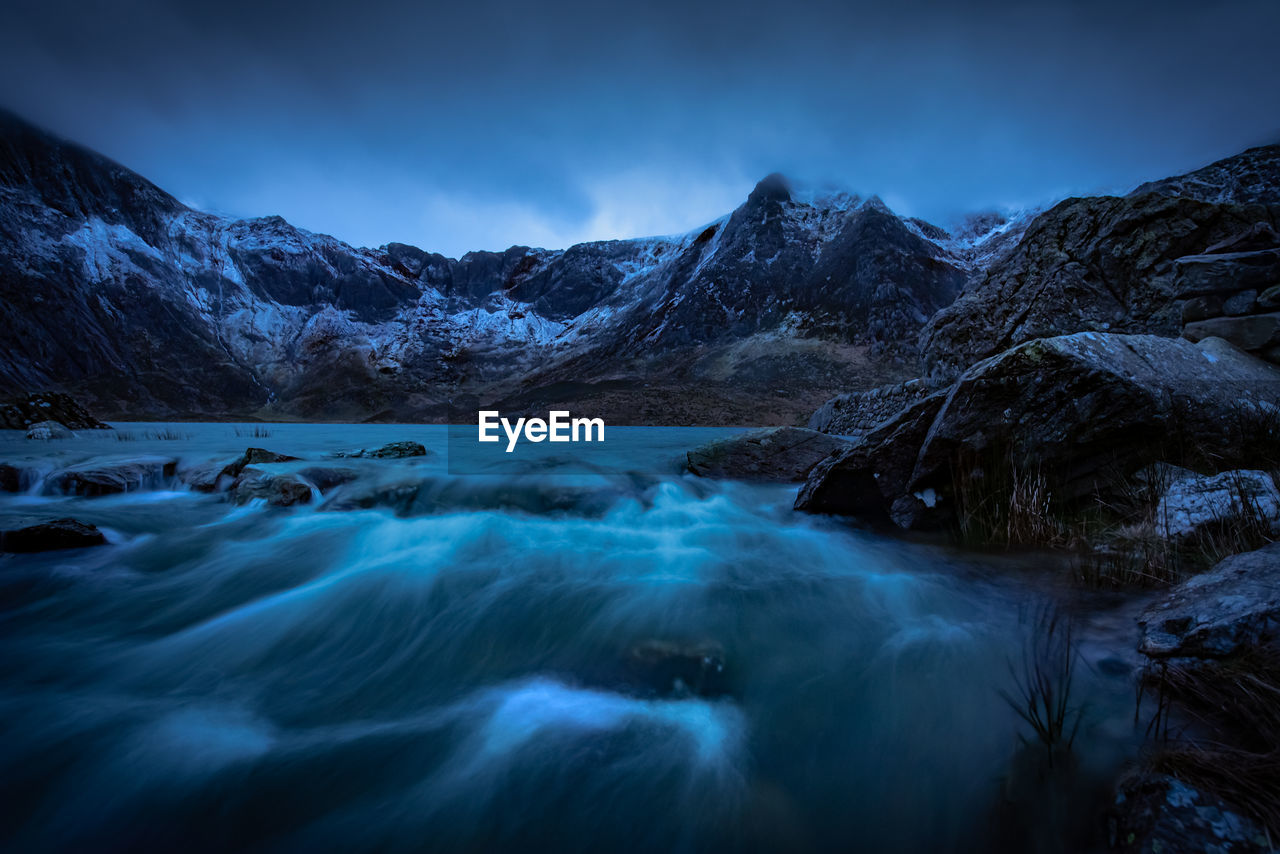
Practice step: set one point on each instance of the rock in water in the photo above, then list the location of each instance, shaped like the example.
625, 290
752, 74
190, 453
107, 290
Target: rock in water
107, 478
278, 490
1230, 608
51, 536
678, 669
392, 451
253, 457
784, 454
46, 430
1084, 409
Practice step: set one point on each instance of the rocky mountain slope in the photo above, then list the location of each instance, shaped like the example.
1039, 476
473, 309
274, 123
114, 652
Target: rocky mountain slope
116, 292
113, 291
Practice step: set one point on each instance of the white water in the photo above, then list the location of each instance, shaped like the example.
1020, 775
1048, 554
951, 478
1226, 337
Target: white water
456, 673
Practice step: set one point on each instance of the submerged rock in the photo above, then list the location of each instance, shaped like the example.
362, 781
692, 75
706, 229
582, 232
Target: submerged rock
1084, 410
391, 451
46, 430
773, 454
668, 668
51, 536
110, 477
1195, 504
1232, 607
325, 478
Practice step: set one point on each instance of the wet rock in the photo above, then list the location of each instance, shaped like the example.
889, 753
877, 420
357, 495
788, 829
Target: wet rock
10, 478
206, 477
1086, 409
21, 414
1159, 814
669, 668
254, 457
1233, 607
1195, 504
46, 430
391, 451
278, 490
110, 477
782, 454
325, 478
51, 536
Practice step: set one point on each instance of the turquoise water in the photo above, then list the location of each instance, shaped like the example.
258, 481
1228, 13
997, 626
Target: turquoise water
458, 671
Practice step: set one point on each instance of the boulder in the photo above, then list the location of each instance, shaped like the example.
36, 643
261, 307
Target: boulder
1159, 814
51, 536
858, 413
1230, 608
391, 451
253, 457
780, 454
112, 476
23, 413
278, 490
1194, 504
206, 477
1251, 332
46, 430
1085, 410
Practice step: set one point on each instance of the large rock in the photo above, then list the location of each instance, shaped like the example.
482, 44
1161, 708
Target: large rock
1195, 504
1083, 409
278, 490
1095, 264
1251, 332
112, 476
254, 457
46, 430
858, 413
10, 478
51, 536
23, 413
783, 454
1233, 607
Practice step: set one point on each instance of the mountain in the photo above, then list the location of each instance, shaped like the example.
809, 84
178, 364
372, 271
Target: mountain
116, 292
1123, 264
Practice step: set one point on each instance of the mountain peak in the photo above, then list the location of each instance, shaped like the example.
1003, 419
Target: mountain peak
772, 188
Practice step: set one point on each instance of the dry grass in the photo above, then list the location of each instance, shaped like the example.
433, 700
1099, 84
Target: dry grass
256, 432
1236, 704
162, 435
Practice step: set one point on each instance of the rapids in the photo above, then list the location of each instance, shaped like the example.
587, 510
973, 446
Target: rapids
459, 673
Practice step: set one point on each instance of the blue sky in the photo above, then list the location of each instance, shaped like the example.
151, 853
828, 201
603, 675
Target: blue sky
459, 128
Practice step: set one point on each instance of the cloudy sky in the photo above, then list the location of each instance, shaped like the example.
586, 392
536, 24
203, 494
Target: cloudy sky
459, 128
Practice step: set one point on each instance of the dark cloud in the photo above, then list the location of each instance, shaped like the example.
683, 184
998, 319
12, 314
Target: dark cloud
482, 124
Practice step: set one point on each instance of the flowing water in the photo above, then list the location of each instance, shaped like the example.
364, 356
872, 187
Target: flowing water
512, 663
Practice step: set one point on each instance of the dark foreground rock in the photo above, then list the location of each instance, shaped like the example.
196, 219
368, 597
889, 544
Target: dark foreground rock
1233, 607
111, 477
10, 478
1084, 410
391, 451
22, 414
783, 454
51, 536
1159, 814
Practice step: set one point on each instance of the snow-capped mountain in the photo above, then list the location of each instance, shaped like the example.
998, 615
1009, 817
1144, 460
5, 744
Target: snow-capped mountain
117, 292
